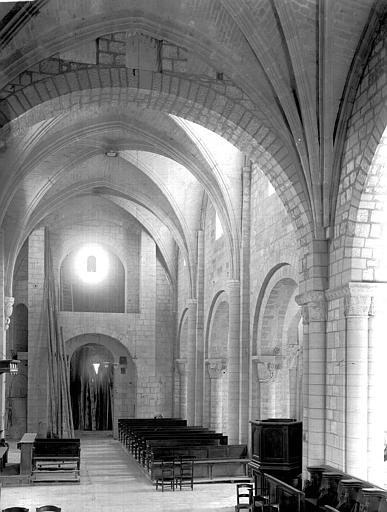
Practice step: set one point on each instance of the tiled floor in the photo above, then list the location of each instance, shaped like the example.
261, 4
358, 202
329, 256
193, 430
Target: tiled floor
112, 481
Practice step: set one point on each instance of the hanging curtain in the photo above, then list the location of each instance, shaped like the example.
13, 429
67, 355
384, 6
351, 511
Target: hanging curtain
60, 423
91, 392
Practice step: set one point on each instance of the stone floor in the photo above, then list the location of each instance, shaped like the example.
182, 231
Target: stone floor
112, 481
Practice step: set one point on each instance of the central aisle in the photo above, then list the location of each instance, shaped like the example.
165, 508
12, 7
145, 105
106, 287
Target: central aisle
111, 481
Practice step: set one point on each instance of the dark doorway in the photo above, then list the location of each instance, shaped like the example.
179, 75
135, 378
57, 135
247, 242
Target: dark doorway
91, 387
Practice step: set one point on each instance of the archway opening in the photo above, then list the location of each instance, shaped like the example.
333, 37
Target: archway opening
91, 387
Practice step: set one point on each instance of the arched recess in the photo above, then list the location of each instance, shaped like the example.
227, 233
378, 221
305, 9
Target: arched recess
124, 379
215, 382
79, 290
277, 365
17, 385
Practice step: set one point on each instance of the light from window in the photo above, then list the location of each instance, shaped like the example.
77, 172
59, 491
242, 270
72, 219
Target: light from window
270, 189
91, 263
218, 227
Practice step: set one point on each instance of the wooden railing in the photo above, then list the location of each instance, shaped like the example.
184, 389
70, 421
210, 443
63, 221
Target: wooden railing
286, 497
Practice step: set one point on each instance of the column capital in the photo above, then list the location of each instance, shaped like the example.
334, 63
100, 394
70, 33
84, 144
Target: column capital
267, 368
358, 298
233, 283
8, 310
181, 366
314, 306
216, 367
359, 305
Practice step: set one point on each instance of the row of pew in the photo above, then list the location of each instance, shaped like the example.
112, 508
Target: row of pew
152, 440
327, 490
333, 490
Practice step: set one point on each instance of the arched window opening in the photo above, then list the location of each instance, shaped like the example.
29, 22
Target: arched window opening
92, 279
91, 264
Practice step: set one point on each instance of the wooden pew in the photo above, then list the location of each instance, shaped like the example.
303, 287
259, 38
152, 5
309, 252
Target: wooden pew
56, 460
136, 438
228, 464
126, 423
133, 435
173, 438
199, 438
152, 440
331, 489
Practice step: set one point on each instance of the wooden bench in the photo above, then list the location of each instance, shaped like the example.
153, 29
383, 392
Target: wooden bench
223, 462
153, 440
126, 424
56, 460
135, 436
171, 438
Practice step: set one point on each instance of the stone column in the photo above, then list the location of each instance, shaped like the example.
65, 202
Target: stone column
233, 357
8, 310
3, 327
245, 307
357, 308
181, 365
376, 386
305, 388
216, 370
199, 353
176, 392
191, 360
314, 318
37, 407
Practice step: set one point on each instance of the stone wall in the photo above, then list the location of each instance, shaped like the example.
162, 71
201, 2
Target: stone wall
147, 334
357, 254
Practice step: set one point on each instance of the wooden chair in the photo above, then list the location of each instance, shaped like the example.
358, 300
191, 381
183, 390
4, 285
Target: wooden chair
15, 509
245, 500
167, 476
185, 471
259, 502
48, 508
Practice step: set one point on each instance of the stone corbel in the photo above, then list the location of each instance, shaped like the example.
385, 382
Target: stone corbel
8, 310
268, 366
216, 367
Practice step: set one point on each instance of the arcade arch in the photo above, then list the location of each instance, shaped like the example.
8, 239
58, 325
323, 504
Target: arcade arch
120, 374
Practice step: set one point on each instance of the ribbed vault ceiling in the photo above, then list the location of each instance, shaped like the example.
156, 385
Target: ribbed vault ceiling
270, 76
